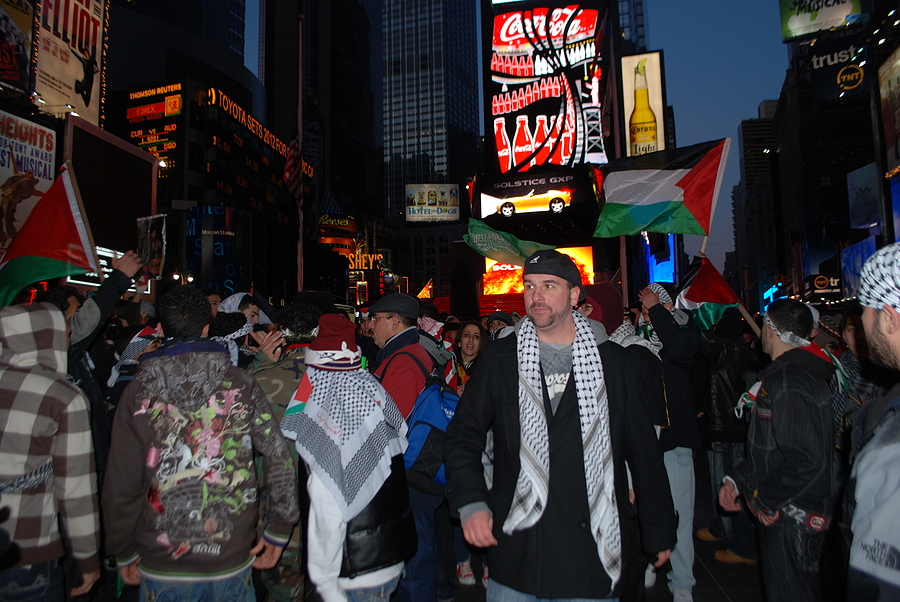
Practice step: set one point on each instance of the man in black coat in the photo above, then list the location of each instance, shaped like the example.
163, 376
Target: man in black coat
567, 410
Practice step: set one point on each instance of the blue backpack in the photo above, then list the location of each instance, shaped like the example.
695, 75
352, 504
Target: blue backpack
428, 421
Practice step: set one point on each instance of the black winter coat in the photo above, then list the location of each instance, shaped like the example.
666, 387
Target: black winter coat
558, 557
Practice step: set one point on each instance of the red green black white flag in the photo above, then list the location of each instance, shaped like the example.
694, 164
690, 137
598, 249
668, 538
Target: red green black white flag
54, 241
672, 191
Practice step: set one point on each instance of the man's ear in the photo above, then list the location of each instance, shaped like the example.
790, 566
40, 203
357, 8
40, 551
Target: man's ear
574, 295
891, 320
205, 332
159, 331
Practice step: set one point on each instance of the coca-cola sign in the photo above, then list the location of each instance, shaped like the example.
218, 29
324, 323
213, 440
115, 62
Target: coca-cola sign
519, 29
544, 96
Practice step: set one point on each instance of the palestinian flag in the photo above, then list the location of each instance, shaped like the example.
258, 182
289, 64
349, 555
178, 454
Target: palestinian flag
54, 241
502, 247
672, 191
707, 296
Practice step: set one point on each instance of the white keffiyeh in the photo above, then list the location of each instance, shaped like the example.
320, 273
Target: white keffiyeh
530, 498
347, 428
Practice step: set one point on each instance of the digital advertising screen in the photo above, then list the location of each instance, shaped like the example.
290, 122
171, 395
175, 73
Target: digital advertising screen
503, 278
155, 122
432, 203
543, 97
16, 25
70, 56
550, 192
804, 17
645, 103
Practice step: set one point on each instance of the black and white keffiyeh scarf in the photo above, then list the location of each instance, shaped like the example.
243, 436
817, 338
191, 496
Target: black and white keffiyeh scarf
530, 498
347, 429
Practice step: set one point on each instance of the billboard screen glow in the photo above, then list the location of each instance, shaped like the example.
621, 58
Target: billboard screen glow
544, 94
503, 278
804, 17
432, 203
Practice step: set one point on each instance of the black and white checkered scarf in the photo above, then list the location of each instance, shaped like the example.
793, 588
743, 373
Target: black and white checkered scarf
534, 454
879, 280
347, 429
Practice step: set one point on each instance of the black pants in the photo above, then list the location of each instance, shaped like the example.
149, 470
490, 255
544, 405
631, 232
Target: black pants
789, 559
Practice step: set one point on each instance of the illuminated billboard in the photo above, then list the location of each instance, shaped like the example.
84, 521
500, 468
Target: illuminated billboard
543, 97
70, 56
549, 192
503, 278
27, 169
16, 24
154, 117
432, 203
889, 87
804, 17
643, 95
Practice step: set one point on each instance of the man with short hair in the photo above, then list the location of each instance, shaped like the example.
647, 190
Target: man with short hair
399, 366
672, 336
181, 498
873, 491
568, 411
786, 474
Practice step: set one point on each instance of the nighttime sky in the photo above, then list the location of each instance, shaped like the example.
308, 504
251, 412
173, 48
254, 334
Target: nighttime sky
722, 59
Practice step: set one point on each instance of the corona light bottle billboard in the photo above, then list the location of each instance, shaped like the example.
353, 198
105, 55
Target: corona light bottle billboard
643, 96
642, 124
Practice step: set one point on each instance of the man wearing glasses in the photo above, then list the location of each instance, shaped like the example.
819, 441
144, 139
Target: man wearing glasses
401, 365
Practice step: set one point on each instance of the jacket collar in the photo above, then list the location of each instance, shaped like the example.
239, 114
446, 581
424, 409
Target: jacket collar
818, 365
410, 336
177, 346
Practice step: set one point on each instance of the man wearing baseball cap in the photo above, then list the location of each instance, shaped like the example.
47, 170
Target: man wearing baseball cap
568, 410
873, 492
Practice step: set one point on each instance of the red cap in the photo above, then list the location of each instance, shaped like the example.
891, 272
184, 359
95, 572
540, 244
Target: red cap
334, 347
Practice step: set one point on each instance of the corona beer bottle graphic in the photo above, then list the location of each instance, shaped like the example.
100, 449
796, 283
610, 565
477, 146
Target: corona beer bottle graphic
642, 124
503, 149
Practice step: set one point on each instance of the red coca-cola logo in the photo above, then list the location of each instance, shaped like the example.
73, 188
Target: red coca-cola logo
510, 28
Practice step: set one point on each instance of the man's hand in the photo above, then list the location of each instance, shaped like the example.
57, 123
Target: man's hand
479, 529
648, 298
662, 558
728, 497
128, 264
269, 557
88, 581
130, 574
269, 343
767, 520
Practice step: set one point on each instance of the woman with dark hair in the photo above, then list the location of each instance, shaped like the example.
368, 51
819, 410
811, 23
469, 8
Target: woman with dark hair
470, 340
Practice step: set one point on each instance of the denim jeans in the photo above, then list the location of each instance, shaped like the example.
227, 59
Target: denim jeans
382, 593
419, 583
500, 593
235, 589
789, 558
680, 468
736, 528
43, 581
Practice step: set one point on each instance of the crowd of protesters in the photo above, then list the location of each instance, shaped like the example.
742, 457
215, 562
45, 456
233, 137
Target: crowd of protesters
214, 448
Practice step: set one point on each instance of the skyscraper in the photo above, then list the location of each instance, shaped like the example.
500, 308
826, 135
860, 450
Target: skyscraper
431, 108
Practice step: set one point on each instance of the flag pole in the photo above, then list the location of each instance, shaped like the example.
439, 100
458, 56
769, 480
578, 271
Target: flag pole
67, 161
749, 318
705, 240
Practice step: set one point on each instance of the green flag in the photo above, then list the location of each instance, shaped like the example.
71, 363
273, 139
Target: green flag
500, 246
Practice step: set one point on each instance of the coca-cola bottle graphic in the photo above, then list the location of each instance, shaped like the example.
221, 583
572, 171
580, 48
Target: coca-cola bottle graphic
523, 144
556, 142
503, 154
541, 144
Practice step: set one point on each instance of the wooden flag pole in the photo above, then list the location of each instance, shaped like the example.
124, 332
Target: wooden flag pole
705, 240
87, 226
749, 318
